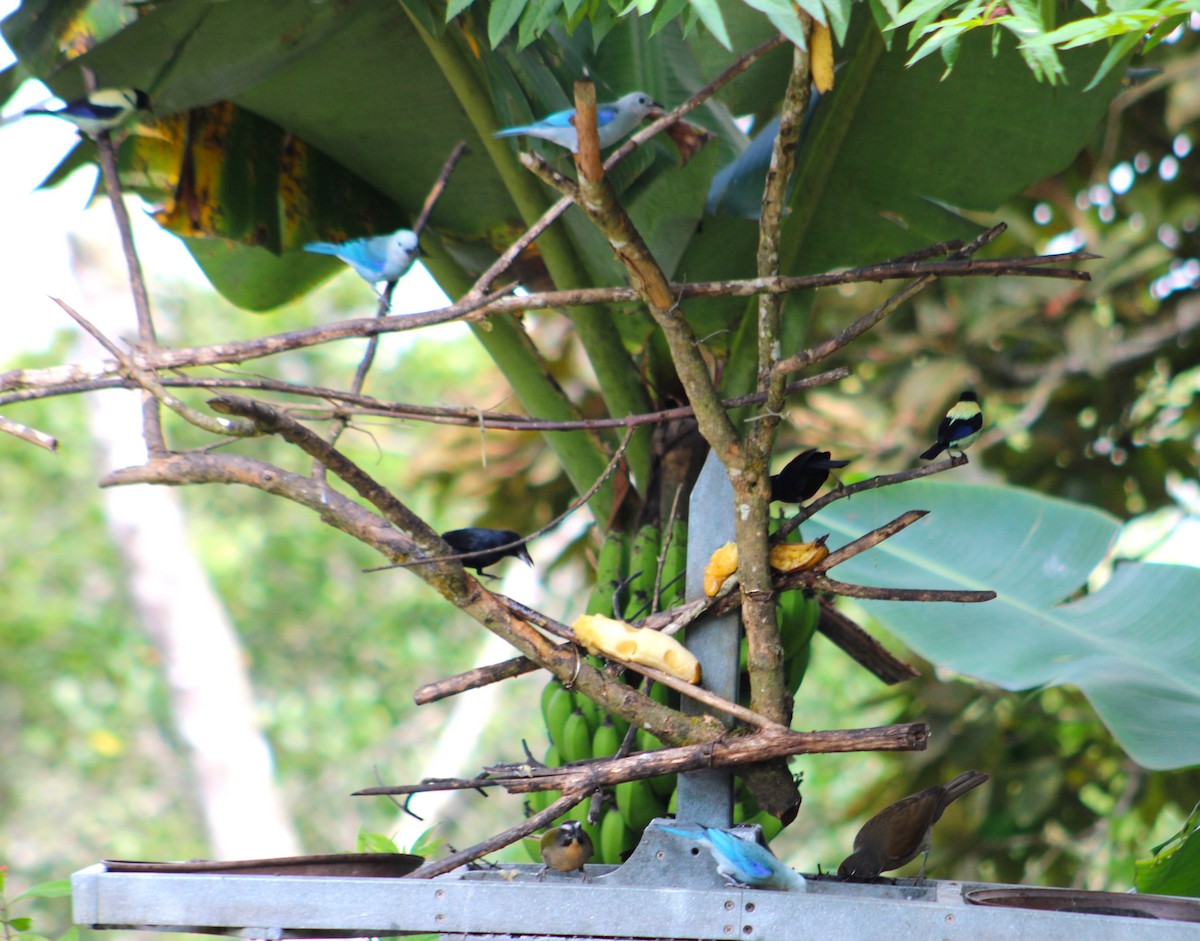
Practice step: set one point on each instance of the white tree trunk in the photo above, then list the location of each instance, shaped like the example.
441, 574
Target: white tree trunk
211, 700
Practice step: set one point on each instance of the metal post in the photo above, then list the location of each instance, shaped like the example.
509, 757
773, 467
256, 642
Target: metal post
706, 797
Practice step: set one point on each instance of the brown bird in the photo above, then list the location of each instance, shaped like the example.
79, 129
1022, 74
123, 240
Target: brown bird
898, 833
565, 848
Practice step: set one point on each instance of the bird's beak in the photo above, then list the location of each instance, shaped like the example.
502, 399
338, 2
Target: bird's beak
524, 556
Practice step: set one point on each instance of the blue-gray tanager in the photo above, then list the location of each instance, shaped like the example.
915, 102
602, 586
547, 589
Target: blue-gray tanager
613, 121
744, 861
102, 110
376, 258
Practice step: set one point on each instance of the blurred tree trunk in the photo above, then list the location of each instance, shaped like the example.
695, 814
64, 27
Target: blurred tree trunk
202, 658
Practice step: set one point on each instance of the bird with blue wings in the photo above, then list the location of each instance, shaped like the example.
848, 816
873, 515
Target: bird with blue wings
742, 861
375, 258
613, 121
102, 110
959, 428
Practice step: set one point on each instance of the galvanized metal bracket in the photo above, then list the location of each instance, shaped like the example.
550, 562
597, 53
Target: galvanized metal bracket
706, 797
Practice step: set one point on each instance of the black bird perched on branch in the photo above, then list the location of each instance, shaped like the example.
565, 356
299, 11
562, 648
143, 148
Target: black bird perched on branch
102, 110
487, 543
566, 847
803, 476
900, 832
959, 428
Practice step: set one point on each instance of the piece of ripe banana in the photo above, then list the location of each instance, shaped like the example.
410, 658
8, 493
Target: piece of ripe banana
785, 557
797, 556
721, 564
623, 641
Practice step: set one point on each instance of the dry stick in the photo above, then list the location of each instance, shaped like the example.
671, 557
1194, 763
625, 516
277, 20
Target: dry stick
583, 498
590, 773
473, 679
677, 618
500, 840
683, 687
385, 300
464, 417
869, 540
599, 201
151, 417
871, 483
504, 262
270, 421
660, 562
501, 303
578, 780
760, 625
152, 387
807, 357
25, 433
366, 525
862, 647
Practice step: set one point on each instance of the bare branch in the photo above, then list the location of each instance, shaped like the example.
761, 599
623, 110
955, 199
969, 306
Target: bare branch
862, 647
151, 417
150, 384
752, 490
479, 308
500, 840
483, 285
25, 433
583, 777
579, 501
367, 405
871, 483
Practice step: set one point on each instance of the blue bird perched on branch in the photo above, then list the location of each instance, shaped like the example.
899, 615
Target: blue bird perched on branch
960, 427
102, 110
375, 258
743, 861
613, 121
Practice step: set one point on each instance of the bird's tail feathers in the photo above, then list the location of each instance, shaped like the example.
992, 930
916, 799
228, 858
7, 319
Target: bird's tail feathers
511, 132
322, 248
934, 451
965, 782
686, 834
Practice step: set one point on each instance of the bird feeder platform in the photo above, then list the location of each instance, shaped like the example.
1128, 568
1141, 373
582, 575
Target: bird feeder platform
665, 890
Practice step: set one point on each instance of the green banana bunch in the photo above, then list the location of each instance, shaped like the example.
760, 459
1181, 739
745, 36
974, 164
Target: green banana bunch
578, 729
798, 617
643, 566
617, 840
674, 567
611, 568
557, 706
576, 743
